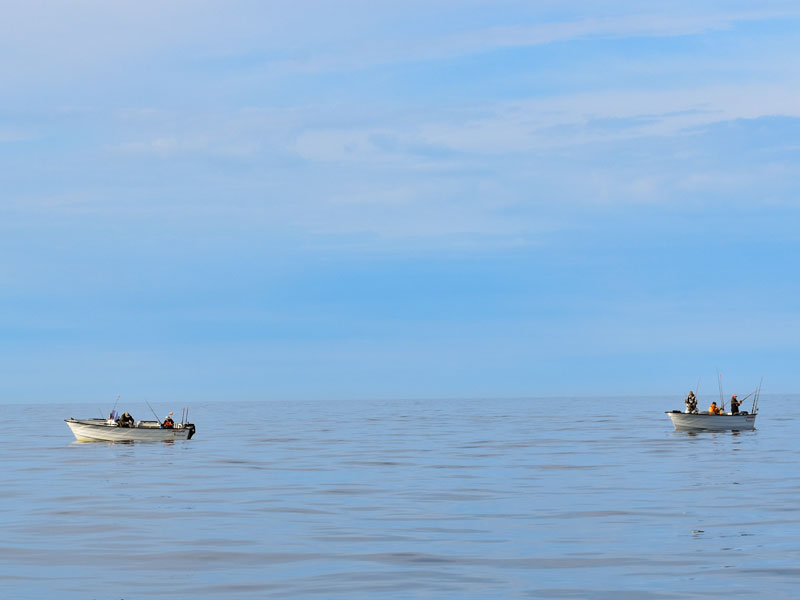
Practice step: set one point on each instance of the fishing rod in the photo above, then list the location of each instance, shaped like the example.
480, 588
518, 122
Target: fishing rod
754, 409
719, 382
748, 395
113, 409
697, 393
152, 411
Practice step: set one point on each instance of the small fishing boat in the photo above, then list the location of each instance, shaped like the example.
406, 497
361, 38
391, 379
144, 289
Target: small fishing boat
108, 430
721, 422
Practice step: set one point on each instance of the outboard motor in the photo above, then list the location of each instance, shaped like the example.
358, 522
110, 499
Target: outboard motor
190, 427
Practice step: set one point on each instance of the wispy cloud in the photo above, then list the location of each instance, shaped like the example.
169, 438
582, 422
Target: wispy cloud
278, 39
549, 123
176, 146
363, 52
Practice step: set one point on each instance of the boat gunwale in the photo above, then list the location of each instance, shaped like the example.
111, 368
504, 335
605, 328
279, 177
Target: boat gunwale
104, 423
707, 414
683, 421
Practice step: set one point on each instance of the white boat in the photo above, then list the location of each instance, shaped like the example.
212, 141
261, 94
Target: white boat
722, 422
108, 430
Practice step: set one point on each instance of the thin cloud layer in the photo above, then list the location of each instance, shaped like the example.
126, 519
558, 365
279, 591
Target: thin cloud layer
446, 196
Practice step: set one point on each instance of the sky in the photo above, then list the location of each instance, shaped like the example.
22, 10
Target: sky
249, 200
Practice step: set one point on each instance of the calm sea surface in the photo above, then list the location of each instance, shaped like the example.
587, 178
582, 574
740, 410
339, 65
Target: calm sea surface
403, 499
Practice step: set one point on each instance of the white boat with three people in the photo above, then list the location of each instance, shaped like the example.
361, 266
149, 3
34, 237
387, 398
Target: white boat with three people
716, 419
712, 422
125, 429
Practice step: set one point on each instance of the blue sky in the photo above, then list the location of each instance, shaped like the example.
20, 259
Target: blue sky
258, 200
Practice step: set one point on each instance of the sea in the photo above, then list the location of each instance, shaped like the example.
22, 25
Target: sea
440, 499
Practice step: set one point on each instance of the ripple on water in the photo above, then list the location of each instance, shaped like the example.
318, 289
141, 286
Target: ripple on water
435, 499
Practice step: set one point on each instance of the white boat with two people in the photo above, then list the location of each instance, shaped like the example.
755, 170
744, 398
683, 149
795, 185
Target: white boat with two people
125, 429
716, 419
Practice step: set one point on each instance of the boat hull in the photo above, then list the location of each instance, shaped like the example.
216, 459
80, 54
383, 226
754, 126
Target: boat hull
98, 430
705, 421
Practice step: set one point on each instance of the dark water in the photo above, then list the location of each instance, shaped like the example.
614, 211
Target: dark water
404, 499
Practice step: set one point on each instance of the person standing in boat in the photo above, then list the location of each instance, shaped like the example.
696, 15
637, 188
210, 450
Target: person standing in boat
714, 409
735, 404
691, 403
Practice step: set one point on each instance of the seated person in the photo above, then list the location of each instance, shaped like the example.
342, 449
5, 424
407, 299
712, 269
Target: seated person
168, 422
714, 409
126, 420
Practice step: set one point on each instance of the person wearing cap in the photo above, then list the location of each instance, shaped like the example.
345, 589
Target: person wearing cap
735, 404
168, 422
691, 402
714, 409
126, 420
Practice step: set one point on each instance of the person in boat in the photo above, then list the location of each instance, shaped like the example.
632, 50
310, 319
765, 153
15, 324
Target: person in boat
168, 422
735, 404
714, 409
691, 403
126, 420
